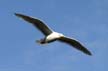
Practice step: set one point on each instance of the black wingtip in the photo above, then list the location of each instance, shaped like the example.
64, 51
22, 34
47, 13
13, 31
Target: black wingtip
90, 54
86, 51
16, 14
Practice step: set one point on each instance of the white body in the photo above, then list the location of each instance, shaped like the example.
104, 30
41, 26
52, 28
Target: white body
54, 35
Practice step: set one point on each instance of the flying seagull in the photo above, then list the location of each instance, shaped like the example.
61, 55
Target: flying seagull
51, 36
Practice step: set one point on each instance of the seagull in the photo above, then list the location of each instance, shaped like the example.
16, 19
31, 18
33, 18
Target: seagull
51, 36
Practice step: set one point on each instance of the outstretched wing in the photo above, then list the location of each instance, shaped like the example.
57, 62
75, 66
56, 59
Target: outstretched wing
75, 44
37, 23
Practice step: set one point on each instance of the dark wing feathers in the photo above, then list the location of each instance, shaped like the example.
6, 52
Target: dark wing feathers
37, 23
75, 44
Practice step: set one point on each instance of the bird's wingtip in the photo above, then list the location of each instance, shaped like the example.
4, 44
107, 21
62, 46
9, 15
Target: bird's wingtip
89, 53
16, 14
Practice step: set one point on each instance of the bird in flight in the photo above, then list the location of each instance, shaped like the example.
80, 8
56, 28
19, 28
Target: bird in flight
51, 36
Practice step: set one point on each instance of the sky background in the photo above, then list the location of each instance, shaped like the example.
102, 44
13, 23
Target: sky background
84, 20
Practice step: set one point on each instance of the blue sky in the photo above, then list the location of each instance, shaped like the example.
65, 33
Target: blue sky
85, 20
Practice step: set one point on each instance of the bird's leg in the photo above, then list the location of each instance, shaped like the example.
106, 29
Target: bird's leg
41, 41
